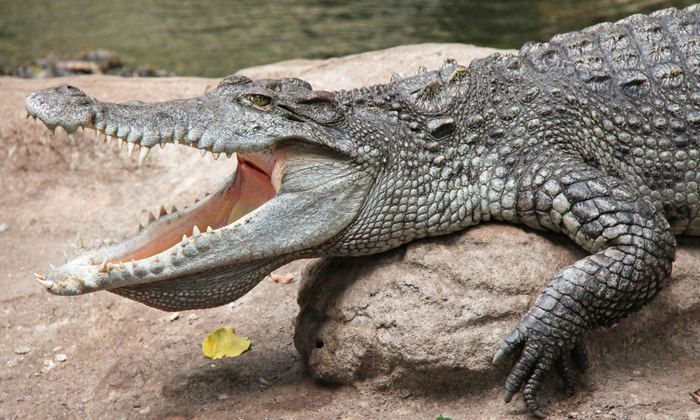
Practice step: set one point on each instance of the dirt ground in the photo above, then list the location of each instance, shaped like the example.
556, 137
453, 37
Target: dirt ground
101, 356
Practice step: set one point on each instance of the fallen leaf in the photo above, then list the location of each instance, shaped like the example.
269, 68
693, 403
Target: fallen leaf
279, 278
224, 342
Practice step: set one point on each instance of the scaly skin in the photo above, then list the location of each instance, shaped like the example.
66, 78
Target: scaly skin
593, 135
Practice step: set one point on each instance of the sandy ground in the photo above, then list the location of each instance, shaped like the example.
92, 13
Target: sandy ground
101, 356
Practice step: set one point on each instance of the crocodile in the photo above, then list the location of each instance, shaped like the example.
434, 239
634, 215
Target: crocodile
593, 135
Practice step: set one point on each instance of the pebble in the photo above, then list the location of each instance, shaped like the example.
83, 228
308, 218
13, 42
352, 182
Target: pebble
21, 350
60, 358
174, 316
4, 227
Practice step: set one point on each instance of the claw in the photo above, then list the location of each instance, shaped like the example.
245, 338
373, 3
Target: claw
498, 358
508, 396
539, 414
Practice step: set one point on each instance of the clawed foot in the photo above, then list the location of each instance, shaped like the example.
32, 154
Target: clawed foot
541, 346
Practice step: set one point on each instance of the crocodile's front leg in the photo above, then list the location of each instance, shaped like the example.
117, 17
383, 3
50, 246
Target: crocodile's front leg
632, 249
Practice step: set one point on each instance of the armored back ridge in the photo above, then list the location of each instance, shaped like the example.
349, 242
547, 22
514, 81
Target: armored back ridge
593, 135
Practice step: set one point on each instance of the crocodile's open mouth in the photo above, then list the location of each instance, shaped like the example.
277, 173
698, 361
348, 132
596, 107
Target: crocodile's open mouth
248, 188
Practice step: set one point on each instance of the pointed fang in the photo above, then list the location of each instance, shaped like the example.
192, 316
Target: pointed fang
46, 284
121, 142
103, 266
151, 217
215, 156
209, 229
195, 232
79, 241
71, 137
185, 241
202, 152
163, 211
143, 154
52, 267
108, 140
65, 255
130, 148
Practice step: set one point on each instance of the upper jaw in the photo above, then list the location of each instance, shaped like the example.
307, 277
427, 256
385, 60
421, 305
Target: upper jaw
211, 123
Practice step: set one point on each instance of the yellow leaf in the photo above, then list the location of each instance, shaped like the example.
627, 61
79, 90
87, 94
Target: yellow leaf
224, 342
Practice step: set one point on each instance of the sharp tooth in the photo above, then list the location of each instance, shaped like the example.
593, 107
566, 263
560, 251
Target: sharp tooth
108, 140
206, 194
62, 284
134, 263
130, 148
99, 134
209, 229
151, 217
215, 155
39, 276
163, 211
103, 266
52, 267
174, 209
28, 115
196, 200
176, 142
71, 137
79, 241
46, 284
121, 142
52, 132
65, 255
140, 227
195, 232
228, 155
185, 241
202, 152
143, 154
121, 265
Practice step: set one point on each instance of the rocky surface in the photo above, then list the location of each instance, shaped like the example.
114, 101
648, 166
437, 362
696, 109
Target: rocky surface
430, 315
102, 356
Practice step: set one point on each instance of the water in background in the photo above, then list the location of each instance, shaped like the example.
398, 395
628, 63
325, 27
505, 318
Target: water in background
214, 38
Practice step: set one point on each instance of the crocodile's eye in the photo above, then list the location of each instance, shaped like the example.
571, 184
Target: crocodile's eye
260, 100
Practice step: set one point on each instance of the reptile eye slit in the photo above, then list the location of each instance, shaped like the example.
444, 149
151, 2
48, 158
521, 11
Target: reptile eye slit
260, 100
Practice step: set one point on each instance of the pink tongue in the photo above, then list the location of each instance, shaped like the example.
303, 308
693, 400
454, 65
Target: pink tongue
247, 192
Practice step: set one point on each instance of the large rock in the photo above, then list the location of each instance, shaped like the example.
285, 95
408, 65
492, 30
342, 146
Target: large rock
431, 314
